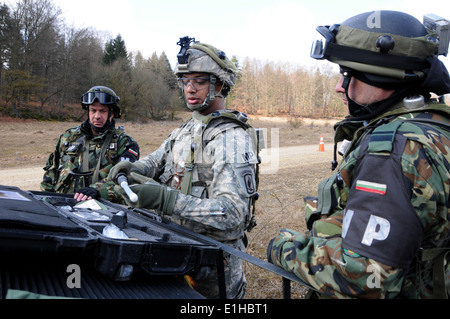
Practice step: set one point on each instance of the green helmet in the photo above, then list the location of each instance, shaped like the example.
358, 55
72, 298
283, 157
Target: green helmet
388, 46
387, 49
105, 96
204, 58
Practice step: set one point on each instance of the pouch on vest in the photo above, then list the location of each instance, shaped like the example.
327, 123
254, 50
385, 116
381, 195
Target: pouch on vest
324, 204
323, 214
199, 191
247, 178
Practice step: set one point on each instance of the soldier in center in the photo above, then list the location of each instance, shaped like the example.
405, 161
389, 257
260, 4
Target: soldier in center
203, 175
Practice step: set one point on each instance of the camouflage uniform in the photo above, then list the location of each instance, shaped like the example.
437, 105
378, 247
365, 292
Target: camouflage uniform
379, 210
217, 201
67, 158
205, 170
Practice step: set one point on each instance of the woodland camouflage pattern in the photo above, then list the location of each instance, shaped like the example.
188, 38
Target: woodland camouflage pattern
319, 256
68, 155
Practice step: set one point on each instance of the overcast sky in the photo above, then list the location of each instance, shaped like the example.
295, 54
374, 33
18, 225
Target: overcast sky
267, 30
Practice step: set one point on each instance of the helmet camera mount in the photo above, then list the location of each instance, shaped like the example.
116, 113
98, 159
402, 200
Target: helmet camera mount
185, 43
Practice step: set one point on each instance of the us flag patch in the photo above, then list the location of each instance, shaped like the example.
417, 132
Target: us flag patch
371, 187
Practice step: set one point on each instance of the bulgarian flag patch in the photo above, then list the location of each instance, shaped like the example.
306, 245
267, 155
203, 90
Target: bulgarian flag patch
371, 187
133, 152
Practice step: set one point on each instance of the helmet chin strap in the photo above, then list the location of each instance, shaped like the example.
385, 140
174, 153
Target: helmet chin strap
200, 106
354, 108
369, 111
211, 96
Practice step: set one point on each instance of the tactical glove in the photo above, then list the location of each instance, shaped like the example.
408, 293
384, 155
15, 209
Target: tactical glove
126, 167
89, 192
151, 196
136, 178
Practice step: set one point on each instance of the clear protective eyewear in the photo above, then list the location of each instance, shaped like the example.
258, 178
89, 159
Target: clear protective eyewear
324, 37
195, 83
102, 98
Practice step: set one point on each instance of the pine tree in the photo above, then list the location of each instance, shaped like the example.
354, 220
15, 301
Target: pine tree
166, 72
115, 49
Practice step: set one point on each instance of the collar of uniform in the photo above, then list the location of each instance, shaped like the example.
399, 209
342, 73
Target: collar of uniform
202, 118
85, 128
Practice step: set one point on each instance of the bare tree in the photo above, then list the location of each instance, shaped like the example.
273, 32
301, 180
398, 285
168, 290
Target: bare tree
44, 63
276, 88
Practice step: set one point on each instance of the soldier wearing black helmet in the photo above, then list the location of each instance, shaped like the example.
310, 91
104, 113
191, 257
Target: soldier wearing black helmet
84, 154
380, 226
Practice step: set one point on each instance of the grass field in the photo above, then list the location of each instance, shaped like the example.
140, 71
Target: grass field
299, 167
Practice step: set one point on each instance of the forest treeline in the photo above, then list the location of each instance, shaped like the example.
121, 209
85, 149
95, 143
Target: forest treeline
47, 65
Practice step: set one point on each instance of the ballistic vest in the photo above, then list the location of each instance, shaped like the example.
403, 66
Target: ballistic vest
196, 176
328, 215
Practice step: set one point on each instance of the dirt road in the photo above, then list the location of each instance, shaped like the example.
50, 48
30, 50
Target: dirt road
29, 178
287, 175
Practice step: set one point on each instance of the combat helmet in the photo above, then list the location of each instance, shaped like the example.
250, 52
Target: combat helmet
387, 49
205, 58
104, 95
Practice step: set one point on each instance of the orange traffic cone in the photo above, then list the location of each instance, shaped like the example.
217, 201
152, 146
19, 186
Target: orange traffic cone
321, 145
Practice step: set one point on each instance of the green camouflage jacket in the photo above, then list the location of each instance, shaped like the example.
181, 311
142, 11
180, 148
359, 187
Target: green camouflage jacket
387, 202
66, 162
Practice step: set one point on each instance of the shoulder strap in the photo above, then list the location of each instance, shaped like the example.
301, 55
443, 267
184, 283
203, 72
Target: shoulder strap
218, 123
102, 154
439, 256
186, 183
85, 148
439, 124
221, 124
382, 137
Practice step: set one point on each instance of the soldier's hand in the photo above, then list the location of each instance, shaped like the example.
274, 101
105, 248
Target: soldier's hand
136, 178
151, 196
86, 193
125, 167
